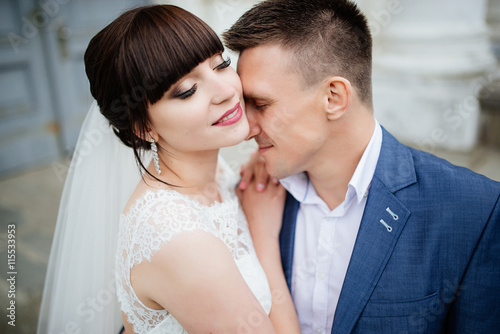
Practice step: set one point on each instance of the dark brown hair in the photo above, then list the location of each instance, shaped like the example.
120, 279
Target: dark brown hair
133, 61
325, 37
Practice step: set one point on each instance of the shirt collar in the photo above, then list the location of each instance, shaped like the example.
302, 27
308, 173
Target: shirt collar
299, 186
363, 175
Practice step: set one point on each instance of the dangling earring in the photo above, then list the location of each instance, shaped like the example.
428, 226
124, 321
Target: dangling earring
155, 156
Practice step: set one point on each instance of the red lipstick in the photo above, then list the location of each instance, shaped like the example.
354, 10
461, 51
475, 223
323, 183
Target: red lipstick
231, 116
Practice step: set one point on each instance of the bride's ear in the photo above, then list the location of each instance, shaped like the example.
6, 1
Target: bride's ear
152, 135
146, 134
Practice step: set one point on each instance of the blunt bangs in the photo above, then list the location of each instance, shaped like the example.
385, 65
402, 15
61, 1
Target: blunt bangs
161, 47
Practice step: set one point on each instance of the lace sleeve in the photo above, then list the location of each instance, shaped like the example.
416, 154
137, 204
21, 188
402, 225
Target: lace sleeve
160, 215
152, 222
155, 218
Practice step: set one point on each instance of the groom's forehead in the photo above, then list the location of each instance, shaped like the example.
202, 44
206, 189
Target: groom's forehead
265, 69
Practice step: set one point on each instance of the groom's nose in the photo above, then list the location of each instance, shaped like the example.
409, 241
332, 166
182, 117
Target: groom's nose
253, 123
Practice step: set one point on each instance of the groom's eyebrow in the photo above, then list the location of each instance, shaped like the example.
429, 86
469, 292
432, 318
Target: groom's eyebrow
253, 97
249, 96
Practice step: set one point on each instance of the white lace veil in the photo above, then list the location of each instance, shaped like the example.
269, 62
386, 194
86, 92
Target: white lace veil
79, 293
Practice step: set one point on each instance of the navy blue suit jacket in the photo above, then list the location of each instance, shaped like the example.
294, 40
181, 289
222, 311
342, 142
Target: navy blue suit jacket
438, 268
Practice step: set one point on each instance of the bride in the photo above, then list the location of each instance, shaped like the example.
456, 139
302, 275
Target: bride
176, 252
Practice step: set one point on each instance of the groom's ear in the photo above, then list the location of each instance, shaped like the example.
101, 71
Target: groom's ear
337, 98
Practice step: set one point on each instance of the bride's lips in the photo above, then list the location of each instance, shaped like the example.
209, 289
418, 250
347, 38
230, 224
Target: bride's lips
231, 116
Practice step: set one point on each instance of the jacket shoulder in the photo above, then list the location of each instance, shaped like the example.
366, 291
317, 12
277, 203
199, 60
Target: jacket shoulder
441, 174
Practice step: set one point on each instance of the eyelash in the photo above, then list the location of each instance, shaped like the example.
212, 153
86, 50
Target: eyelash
259, 107
224, 64
188, 93
193, 89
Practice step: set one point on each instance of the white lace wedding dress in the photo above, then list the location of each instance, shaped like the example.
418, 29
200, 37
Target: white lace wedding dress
159, 215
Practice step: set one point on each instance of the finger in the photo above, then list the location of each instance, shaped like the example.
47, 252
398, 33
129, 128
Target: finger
261, 176
246, 179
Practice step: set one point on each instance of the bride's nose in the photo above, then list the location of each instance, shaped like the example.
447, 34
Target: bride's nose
223, 90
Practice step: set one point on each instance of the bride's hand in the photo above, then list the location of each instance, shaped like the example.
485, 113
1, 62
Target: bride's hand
253, 173
263, 209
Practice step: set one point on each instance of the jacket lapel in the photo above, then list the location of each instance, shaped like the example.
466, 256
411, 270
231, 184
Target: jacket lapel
378, 233
287, 236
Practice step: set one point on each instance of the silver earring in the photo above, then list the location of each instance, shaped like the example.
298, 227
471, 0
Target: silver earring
155, 156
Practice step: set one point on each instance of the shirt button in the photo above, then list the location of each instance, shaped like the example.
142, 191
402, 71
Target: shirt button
319, 330
322, 276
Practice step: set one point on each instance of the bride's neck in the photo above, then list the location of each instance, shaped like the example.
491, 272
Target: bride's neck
194, 173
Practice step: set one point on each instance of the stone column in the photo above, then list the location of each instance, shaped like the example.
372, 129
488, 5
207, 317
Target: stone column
431, 58
490, 94
493, 20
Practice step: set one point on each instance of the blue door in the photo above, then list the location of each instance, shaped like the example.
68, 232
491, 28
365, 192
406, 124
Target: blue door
44, 93
28, 127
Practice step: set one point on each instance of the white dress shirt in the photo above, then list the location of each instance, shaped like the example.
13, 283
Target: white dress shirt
324, 240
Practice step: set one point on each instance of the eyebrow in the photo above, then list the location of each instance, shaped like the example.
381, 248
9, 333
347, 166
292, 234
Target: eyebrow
252, 96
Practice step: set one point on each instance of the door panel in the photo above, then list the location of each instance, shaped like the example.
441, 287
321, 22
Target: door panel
44, 92
67, 38
27, 133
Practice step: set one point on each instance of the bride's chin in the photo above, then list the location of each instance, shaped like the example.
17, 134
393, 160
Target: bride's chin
233, 142
242, 135
231, 136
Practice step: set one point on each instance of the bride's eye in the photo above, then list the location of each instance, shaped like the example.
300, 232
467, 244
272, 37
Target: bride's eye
224, 64
188, 93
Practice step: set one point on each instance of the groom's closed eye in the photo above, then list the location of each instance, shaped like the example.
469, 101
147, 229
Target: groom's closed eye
258, 103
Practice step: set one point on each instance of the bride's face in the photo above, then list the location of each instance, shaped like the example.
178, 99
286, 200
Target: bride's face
202, 111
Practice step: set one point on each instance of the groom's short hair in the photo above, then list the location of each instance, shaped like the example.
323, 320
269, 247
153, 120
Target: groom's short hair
325, 38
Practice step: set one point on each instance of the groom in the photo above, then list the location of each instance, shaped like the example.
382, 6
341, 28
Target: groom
377, 237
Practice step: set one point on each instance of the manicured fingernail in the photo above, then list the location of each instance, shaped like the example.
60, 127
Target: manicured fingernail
243, 185
276, 181
260, 187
